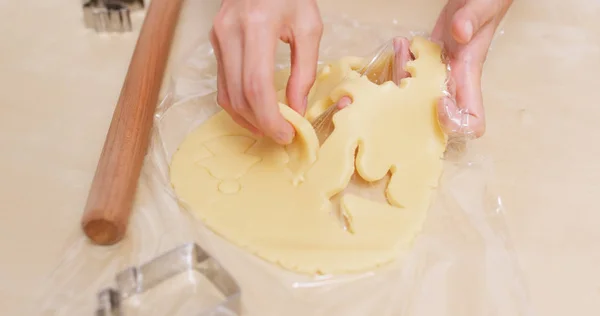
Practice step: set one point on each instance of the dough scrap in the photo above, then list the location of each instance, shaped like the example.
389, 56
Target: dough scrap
275, 201
303, 150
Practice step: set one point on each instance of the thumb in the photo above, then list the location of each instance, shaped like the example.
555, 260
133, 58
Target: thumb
463, 114
473, 16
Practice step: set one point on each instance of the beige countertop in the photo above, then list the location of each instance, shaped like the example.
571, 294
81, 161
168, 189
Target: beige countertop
59, 83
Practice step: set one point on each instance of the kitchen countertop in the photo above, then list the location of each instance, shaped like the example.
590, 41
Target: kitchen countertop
59, 83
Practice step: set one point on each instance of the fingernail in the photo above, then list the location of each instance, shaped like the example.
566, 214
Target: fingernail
468, 30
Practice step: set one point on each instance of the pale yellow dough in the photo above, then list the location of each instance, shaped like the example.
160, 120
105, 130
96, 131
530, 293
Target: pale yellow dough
274, 201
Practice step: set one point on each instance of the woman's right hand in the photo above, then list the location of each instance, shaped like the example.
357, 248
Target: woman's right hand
244, 37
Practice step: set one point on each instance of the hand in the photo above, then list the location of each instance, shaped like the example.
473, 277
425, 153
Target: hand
244, 37
466, 29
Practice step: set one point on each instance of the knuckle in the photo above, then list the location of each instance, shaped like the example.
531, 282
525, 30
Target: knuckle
222, 100
318, 27
223, 24
256, 17
308, 31
311, 29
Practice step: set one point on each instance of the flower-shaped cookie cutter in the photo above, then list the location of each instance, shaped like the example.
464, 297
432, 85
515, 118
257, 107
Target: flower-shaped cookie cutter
186, 258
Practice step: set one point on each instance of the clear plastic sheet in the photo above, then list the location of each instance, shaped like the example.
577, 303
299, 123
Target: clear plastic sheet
462, 263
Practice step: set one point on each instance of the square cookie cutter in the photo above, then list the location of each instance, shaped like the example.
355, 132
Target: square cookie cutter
110, 15
186, 258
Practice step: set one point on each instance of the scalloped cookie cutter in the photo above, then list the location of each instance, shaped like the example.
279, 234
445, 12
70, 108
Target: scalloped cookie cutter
110, 15
186, 258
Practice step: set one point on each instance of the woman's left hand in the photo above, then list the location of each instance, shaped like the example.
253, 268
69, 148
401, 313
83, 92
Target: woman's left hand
466, 29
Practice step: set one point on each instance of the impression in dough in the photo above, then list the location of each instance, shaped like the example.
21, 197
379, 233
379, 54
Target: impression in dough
276, 201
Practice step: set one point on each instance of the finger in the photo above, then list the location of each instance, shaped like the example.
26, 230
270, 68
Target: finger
464, 113
258, 82
242, 121
456, 121
343, 102
222, 95
401, 56
230, 45
475, 14
305, 55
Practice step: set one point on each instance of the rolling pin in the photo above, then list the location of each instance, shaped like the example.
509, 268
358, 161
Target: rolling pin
112, 191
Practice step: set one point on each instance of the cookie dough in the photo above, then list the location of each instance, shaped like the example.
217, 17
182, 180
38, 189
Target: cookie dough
277, 201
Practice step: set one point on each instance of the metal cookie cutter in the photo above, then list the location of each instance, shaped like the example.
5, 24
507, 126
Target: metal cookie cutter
186, 258
110, 15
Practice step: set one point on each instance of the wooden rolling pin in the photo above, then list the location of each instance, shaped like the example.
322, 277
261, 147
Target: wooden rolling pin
111, 195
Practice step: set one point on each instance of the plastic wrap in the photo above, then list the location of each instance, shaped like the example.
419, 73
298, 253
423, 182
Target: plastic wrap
461, 264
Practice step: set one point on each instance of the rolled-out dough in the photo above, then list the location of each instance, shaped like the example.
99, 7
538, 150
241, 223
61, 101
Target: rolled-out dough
275, 201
